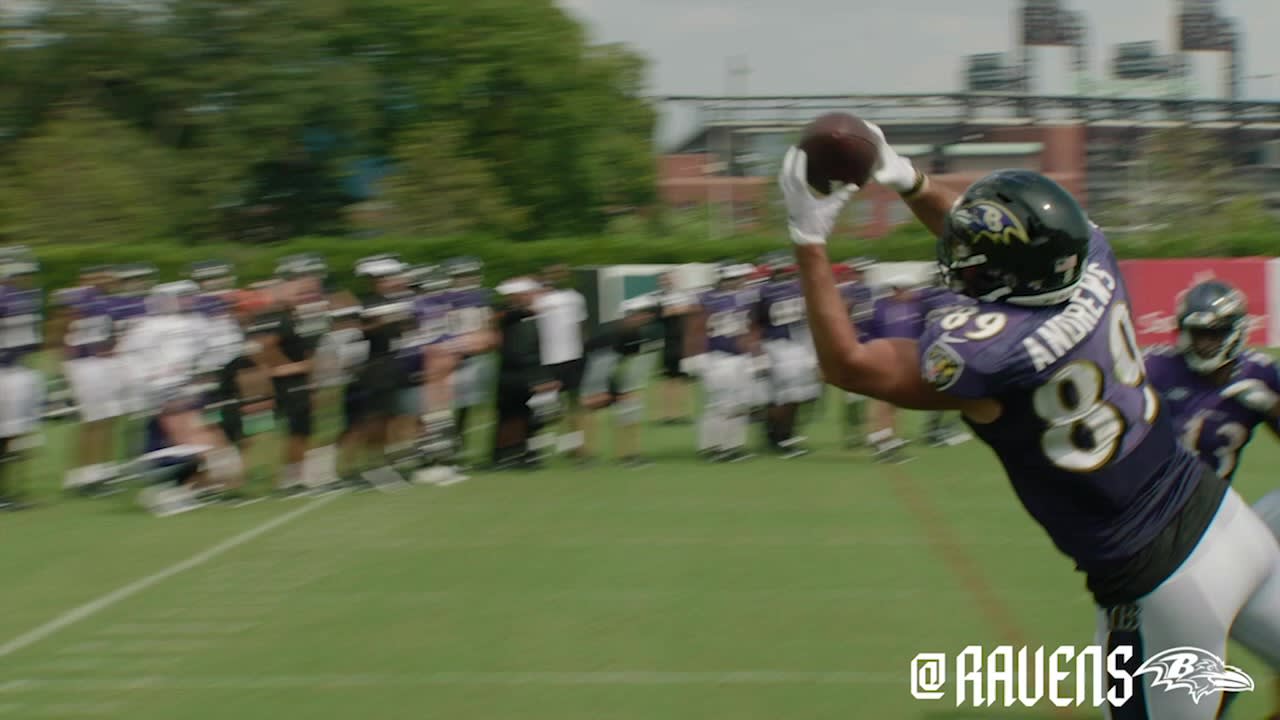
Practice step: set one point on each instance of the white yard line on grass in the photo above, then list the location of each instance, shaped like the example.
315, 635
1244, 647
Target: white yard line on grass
96, 606
384, 680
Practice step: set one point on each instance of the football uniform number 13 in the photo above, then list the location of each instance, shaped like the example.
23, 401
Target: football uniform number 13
1085, 430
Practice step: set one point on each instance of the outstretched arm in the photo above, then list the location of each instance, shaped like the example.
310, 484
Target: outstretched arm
888, 370
930, 203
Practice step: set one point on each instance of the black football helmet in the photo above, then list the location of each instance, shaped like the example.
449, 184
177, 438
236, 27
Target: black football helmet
1015, 236
1212, 325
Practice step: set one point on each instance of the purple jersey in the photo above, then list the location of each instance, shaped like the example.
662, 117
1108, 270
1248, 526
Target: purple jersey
936, 299
1215, 427
213, 304
432, 312
126, 311
20, 324
858, 298
728, 318
780, 313
894, 318
89, 330
470, 310
1082, 436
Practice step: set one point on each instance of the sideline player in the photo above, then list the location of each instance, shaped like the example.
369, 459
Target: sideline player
474, 336
621, 356
793, 368
898, 314
722, 346
98, 383
676, 304
1046, 368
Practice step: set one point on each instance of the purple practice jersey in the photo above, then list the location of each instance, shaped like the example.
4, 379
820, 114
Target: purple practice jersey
858, 298
894, 318
1215, 427
470, 310
935, 299
432, 313
213, 304
20, 324
728, 318
780, 313
126, 311
1082, 435
89, 327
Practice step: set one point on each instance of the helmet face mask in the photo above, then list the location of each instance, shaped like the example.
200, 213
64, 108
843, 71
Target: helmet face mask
1212, 325
1016, 237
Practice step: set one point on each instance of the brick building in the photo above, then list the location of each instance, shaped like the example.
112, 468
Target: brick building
1085, 144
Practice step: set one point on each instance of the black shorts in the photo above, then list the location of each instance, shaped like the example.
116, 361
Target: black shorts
232, 423
374, 393
569, 374
293, 405
671, 366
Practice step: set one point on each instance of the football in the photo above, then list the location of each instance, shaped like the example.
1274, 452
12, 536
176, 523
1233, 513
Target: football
840, 148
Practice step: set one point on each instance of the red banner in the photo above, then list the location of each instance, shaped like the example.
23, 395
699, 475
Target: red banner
1156, 285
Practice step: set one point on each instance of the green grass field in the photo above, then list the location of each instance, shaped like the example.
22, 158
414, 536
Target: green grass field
767, 589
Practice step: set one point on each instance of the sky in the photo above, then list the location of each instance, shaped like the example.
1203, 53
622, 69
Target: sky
834, 47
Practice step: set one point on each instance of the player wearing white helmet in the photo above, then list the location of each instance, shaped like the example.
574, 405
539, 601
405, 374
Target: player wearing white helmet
722, 353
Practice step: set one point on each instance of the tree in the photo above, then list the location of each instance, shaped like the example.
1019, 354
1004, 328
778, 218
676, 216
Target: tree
87, 177
425, 201
265, 106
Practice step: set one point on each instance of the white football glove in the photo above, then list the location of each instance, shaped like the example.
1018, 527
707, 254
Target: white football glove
810, 219
892, 170
1253, 394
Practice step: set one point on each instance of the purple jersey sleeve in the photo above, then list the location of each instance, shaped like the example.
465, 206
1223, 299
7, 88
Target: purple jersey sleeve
893, 318
972, 353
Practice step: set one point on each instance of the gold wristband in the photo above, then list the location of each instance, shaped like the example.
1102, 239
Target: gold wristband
922, 182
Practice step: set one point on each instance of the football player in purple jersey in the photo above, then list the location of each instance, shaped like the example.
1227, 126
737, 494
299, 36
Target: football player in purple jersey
793, 368
1217, 391
722, 354
98, 383
1046, 368
436, 443
474, 337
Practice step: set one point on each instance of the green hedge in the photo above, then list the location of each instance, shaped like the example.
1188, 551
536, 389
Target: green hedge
505, 258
